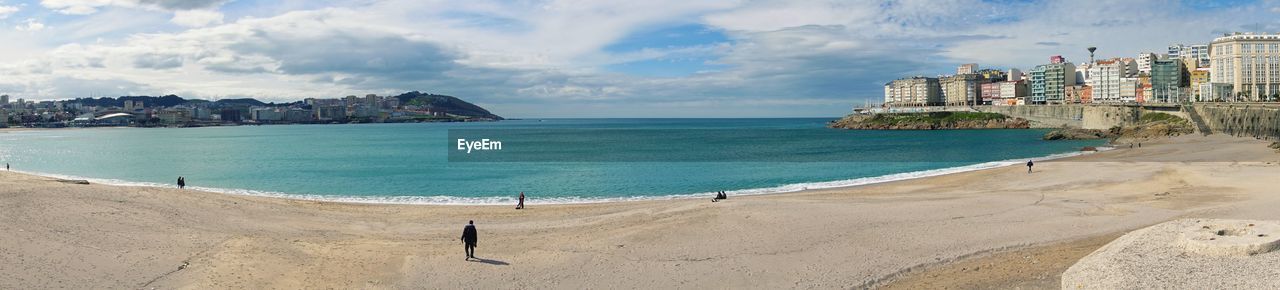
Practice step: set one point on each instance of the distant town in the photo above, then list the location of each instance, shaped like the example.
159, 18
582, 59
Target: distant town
1237, 67
174, 111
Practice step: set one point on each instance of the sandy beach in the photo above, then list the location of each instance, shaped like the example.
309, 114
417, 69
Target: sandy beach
996, 228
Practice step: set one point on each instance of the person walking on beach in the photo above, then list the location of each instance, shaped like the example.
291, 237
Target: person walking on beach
469, 239
6, 167
182, 182
521, 204
1029, 164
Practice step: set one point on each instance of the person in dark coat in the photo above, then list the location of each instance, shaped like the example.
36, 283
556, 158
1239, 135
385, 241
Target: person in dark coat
1029, 164
521, 204
469, 239
182, 182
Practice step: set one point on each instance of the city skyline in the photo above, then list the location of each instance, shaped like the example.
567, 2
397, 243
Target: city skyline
572, 59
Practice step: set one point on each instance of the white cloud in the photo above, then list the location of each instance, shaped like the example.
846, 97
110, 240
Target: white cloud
85, 7
31, 24
196, 18
6, 11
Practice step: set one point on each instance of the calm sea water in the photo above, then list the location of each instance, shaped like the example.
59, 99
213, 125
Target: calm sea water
410, 163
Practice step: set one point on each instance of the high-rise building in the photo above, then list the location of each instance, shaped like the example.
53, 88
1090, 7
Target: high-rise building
967, 68
1144, 61
1014, 75
1049, 81
914, 91
1198, 52
4, 100
1168, 81
1245, 67
1105, 78
962, 90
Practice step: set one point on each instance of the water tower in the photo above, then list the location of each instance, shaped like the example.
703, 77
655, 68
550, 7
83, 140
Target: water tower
1091, 49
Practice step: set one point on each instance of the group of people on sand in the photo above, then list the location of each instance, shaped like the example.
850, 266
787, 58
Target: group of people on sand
719, 196
182, 182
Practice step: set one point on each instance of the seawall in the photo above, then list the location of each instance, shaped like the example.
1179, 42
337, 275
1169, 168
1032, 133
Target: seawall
1100, 117
1259, 120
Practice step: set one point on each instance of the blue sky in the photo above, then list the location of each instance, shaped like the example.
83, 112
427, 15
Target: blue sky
573, 58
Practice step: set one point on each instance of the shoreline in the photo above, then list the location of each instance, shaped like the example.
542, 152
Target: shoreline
443, 200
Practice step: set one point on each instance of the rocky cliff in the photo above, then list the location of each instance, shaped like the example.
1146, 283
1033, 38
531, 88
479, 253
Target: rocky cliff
929, 121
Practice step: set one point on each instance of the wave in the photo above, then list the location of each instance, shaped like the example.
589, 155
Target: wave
458, 200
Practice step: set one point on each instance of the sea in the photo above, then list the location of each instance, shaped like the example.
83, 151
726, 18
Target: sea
550, 160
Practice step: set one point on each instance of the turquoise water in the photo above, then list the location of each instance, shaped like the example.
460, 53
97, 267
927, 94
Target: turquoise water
410, 163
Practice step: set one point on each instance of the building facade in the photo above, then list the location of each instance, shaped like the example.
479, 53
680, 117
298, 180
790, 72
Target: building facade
915, 91
962, 90
1145, 60
1197, 52
1168, 81
967, 68
1049, 82
1245, 67
1105, 78
1011, 92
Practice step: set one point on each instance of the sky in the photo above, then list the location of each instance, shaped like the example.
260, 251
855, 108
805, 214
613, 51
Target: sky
573, 58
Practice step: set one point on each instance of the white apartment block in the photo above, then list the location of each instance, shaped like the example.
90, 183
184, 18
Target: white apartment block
1105, 78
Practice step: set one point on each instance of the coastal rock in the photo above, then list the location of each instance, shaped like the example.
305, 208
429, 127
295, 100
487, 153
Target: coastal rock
1076, 134
1152, 126
929, 121
1274, 145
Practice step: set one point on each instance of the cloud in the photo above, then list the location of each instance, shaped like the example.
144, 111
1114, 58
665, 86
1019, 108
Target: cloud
6, 11
196, 18
85, 7
31, 24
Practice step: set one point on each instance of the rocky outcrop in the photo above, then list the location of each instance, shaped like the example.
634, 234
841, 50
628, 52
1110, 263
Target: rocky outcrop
1152, 126
1077, 134
929, 121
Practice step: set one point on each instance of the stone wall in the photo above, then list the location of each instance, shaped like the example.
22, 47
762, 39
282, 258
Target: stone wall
1260, 120
1052, 116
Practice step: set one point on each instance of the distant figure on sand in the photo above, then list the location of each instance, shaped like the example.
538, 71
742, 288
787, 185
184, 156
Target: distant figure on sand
182, 182
521, 204
6, 167
720, 195
469, 239
1029, 164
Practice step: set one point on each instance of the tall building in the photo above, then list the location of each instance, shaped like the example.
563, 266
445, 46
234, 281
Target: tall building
1014, 75
967, 68
1144, 61
1105, 78
1245, 67
1049, 81
1168, 81
962, 90
914, 91
4, 100
1198, 52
